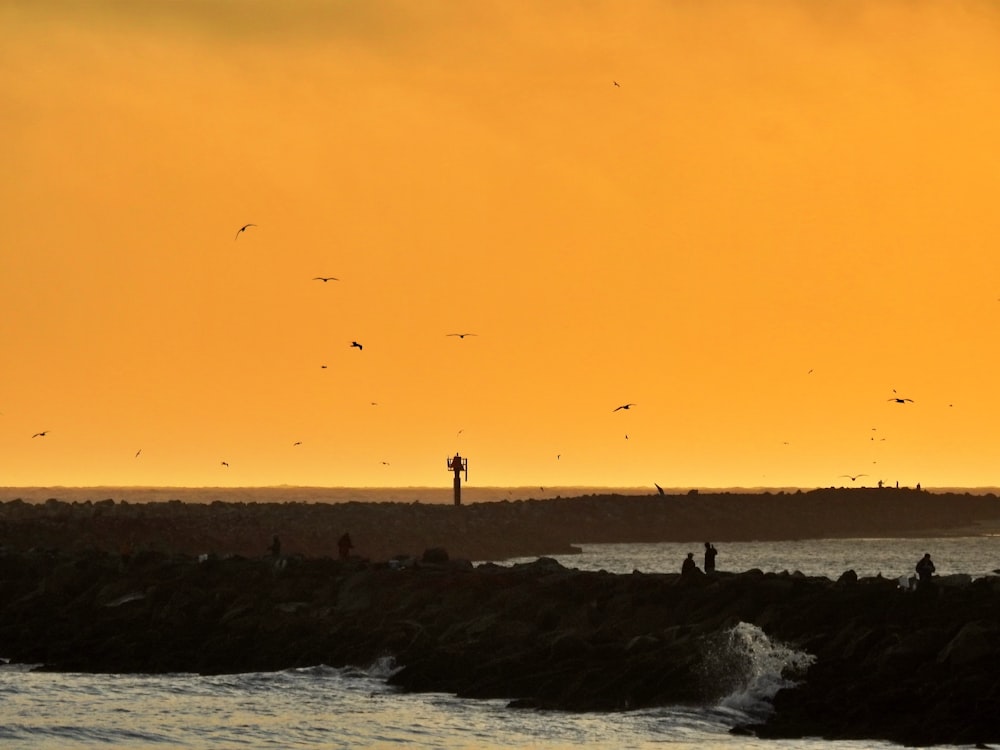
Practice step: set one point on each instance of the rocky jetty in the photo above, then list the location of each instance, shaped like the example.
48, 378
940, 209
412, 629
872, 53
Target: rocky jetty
108, 586
916, 667
488, 531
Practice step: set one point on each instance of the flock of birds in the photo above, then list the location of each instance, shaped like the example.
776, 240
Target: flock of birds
895, 398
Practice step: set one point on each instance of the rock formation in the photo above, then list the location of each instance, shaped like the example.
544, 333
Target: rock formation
913, 667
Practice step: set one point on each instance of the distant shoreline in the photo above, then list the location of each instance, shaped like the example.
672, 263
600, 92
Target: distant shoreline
243, 522
443, 495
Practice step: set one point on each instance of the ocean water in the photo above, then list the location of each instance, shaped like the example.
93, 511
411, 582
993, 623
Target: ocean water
322, 707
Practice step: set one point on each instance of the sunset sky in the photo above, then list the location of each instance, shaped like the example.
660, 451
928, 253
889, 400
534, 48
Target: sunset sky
756, 221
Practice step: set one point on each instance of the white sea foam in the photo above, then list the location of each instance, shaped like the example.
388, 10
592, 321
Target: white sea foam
747, 669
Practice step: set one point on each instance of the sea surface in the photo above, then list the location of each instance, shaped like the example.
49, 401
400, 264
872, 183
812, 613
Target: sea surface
322, 707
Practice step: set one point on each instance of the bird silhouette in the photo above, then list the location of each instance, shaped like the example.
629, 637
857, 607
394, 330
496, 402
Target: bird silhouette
901, 400
297, 442
853, 477
138, 452
356, 344
461, 335
225, 463
242, 229
43, 433
659, 488
616, 84
623, 406
324, 279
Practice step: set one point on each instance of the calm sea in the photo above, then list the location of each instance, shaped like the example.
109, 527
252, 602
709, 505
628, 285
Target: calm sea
321, 707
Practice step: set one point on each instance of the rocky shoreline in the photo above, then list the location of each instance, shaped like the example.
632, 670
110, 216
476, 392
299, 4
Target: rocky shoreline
912, 667
112, 587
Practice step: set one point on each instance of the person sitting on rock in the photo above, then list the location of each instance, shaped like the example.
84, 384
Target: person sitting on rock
925, 569
689, 567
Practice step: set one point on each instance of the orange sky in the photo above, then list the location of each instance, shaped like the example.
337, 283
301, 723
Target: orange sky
786, 210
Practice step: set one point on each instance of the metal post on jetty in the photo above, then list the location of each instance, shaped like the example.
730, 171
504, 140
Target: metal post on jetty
458, 464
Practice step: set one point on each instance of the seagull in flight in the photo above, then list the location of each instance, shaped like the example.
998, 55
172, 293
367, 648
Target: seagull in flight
242, 229
623, 406
899, 400
853, 477
461, 335
225, 463
356, 344
43, 433
138, 452
297, 442
616, 84
325, 279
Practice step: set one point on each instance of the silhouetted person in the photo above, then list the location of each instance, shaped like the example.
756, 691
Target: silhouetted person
689, 568
275, 548
925, 569
344, 546
710, 553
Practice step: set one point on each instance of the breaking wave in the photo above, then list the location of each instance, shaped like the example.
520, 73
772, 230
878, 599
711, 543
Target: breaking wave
744, 669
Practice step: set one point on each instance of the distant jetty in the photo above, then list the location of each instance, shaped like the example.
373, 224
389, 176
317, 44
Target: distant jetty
493, 530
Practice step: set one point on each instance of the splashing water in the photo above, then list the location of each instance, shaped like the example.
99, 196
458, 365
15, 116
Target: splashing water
744, 669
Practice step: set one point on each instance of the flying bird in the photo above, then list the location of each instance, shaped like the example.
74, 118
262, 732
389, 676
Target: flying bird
461, 335
617, 85
324, 279
43, 433
242, 229
138, 452
853, 477
355, 343
297, 442
224, 463
900, 400
624, 406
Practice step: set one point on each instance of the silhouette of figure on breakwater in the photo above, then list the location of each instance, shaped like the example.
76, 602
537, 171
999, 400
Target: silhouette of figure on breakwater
344, 546
689, 568
925, 569
710, 553
275, 548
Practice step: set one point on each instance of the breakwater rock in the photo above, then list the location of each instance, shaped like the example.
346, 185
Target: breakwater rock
913, 667
488, 531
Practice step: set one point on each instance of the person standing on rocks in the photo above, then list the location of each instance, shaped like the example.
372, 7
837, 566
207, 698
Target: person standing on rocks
344, 546
925, 569
275, 548
710, 553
